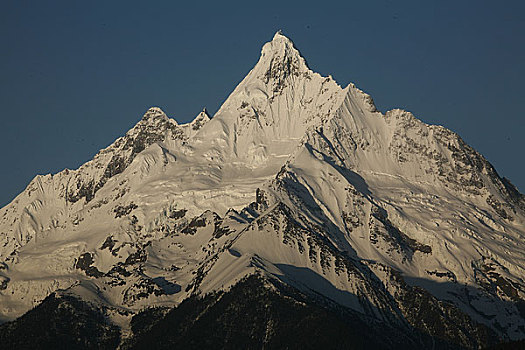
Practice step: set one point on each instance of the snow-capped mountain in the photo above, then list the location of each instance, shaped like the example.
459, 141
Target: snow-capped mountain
296, 180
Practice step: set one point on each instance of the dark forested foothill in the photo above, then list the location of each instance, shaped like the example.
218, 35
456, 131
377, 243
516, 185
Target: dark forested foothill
60, 322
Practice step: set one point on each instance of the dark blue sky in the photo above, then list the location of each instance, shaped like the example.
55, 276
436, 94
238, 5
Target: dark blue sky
75, 75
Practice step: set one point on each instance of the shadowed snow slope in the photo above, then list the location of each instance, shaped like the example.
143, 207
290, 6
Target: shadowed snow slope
294, 178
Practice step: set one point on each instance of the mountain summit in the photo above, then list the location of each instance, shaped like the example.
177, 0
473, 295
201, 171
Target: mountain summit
298, 197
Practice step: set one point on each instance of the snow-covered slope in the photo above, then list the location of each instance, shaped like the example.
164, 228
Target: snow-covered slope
296, 178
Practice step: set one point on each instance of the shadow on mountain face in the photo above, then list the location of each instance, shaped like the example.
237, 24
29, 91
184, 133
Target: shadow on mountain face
253, 316
168, 287
433, 323
309, 281
306, 201
352, 177
472, 300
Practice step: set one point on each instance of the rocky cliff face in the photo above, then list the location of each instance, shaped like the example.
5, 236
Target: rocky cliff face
298, 181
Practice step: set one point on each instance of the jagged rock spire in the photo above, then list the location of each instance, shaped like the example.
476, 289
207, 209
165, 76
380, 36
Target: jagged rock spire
280, 54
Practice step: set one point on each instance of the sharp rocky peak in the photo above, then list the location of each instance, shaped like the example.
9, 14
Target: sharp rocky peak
200, 120
154, 114
203, 115
280, 59
154, 121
